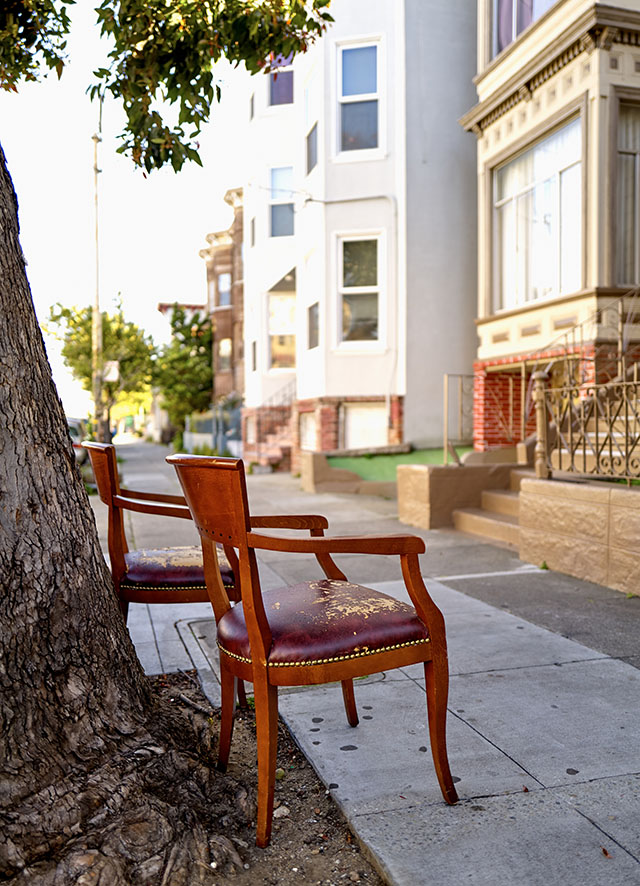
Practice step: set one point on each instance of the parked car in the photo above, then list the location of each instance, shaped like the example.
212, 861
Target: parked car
78, 433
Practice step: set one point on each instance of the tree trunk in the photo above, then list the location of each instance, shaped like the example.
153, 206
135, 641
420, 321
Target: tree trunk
70, 684
100, 781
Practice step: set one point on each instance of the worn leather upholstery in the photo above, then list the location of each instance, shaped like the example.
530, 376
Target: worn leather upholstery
171, 568
322, 621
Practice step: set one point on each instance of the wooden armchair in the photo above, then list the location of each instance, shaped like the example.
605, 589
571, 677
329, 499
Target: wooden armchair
165, 575
312, 632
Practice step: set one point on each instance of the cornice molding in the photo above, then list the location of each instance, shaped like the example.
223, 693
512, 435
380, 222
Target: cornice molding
598, 28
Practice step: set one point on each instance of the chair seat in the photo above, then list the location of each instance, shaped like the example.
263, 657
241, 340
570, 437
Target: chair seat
171, 569
319, 622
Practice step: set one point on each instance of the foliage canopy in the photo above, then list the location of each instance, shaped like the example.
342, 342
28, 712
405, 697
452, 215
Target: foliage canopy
122, 342
162, 55
183, 370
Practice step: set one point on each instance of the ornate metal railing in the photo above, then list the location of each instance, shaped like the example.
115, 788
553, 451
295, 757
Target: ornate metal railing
588, 429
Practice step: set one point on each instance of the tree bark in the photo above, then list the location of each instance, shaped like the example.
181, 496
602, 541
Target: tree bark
71, 687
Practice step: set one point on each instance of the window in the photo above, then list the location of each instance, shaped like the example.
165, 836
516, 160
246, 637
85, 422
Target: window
511, 17
282, 201
211, 293
538, 221
224, 354
628, 194
224, 289
281, 82
282, 328
313, 326
312, 148
358, 98
359, 289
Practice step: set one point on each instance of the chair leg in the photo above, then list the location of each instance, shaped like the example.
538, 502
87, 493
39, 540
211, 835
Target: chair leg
242, 695
437, 684
266, 701
228, 708
349, 702
124, 609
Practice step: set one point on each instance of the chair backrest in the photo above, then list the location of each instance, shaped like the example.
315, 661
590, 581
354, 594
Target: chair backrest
105, 471
216, 492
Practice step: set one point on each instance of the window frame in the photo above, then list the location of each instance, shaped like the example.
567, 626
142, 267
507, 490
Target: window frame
285, 68
360, 345
359, 154
494, 8
629, 97
282, 201
224, 361
316, 327
271, 335
313, 130
221, 292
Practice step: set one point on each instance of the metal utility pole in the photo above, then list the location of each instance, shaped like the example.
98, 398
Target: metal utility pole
96, 318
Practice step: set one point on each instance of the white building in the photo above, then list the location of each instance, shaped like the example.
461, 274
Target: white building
360, 228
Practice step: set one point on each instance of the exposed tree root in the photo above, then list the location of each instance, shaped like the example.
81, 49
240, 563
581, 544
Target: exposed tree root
153, 813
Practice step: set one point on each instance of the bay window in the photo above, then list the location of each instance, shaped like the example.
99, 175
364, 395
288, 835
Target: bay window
538, 221
511, 17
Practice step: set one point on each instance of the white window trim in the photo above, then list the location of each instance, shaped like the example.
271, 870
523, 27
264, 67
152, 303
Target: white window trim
339, 156
378, 345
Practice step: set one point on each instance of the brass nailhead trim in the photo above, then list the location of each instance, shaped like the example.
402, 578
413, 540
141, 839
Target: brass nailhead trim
317, 661
146, 587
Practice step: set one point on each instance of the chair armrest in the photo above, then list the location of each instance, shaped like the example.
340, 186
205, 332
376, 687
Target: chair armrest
290, 521
153, 496
160, 509
358, 544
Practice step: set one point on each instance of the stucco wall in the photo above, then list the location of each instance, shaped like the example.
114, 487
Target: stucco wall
441, 208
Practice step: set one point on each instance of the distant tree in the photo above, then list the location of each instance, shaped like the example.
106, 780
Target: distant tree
183, 370
96, 781
123, 343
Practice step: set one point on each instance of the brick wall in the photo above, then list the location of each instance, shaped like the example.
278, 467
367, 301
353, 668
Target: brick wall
327, 413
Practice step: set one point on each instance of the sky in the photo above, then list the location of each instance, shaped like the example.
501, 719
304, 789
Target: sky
150, 230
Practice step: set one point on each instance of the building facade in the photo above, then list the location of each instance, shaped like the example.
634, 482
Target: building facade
223, 258
225, 301
359, 231
557, 122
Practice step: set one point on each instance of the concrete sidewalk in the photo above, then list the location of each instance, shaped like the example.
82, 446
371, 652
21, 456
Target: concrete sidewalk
543, 732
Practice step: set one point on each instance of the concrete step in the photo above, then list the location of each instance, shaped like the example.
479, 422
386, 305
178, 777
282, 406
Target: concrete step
518, 474
501, 501
561, 460
618, 427
499, 527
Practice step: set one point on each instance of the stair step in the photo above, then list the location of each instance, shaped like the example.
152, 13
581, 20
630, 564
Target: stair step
500, 527
501, 501
518, 474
